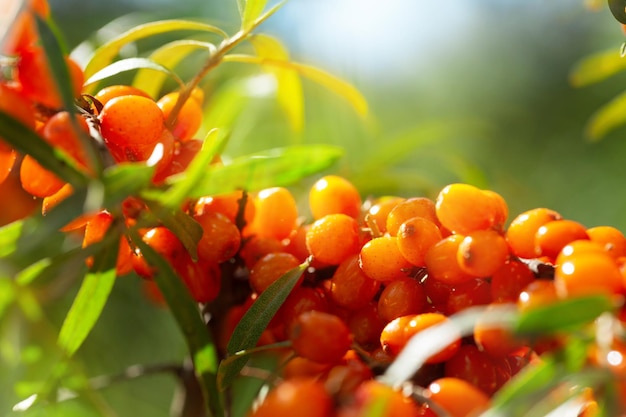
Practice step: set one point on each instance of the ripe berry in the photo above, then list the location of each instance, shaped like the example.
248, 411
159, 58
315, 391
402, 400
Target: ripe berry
189, 118
333, 238
482, 253
423, 321
349, 287
271, 267
458, 397
220, 239
475, 367
412, 207
441, 261
276, 214
380, 259
463, 208
611, 238
590, 273
521, 232
401, 297
553, 236
415, 237
510, 280
333, 194
305, 397
319, 336
380, 209
108, 93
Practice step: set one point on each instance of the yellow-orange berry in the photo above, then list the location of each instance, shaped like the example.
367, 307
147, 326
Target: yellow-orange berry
333, 194
332, 238
381, 259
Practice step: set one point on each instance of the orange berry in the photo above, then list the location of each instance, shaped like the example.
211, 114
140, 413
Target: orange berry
412, 207
578, 247
228, 204
37, 180
349, 287
423, 321
220, 239
276, 213
7, 160
108, 93
393, 337
475, 367
271, 267
189, 118
22, 203
496, 340
415, 237
541, 292
475, 292
255, 248
332, 238
482, 253
381, 259
23, 32
553, 236
510, 280
95, 231
303, 397
380, 209
59, 131
447, 392
589, 273
463, 208
374, 395
611, 238
401, 297
333, 194
320, 337
521, 232
17, 105
441, 261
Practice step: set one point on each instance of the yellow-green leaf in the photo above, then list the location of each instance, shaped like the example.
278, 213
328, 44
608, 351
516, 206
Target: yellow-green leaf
335, 84
168, 55
130, 64
607, 118
597, 67
105, 54
250, 10
289, 91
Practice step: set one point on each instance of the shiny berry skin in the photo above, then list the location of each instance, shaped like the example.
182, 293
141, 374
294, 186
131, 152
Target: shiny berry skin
473, 366
220, 239
521, 232
412, 207
381, 259
441, 261
350, 288
319, 336
591, 273
333, 238
271, 267
510, 280
611, 238
380, 209
189, 117
332, 194
276, 214
108, 93
464, 208
401, 297
482, 253
374, 395
447, 392
475, 292
553, 236
415, 237
303, 397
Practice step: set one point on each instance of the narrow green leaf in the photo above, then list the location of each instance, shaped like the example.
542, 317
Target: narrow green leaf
123, 180
9, 237
214, 142
251, 12
27, 141
91, 298
563, 315
607, 118
290, 95
334, 84
251, 326
225, 105
274, 167
105, 54
597, 67
618, 8
169, 56
130, 64
187, 315
56, 60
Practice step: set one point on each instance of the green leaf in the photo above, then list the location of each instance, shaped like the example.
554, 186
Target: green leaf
597, 67
274, 167
187, 315
563, 315
9, 237
607, 118
91, 298
105, 54
618, 8
253, 323
334, 84
250, 11
168, 55
27, 141
123, 180
130, 64
213, 144
290, 95
225, 104
56, 60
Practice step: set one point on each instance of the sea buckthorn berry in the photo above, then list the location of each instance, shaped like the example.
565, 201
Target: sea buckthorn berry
181, 158
463, 208
510, 280
271, 267
7, 160
227, 204
53, 200
220, 239
521, 232
164, 242
333, 194
23, 33
132, 126
295, 244
95, 231
374, 395
380, 209
540, 292
553, 236
392, 337
437, 291
482, 252
22, 203
380, 259
366, 325
590, 273
422, 321
494, 338
303, 397
202, 278
37, 180
300, 300
475, 292
349, 287
255, 248
458, 397
611, 238
578, 247
17, 105
110, 92
415, 237
36, 79
189, 117
333, 238
276, 213
60, 132
441, 261
501, 211
475, 367
412, 207
321, 337
401, 297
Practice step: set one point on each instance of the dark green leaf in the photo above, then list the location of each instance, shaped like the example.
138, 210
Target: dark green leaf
130, 64
91, 298
26, 141
618, 8
56, 60
563, 315
274, 167
187, 315
253, 323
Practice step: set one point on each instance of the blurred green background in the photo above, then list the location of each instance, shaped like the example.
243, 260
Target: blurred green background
474, 91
